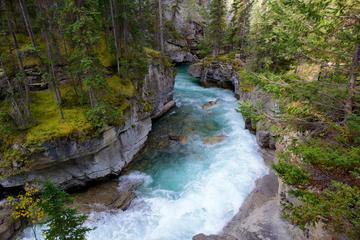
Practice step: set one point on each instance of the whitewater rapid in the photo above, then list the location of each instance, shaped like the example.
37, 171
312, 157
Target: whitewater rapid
188, 187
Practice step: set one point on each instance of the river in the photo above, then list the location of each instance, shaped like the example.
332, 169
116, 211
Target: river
193, 185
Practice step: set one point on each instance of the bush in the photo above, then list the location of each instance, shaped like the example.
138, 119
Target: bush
329, 156
353, 124
338, 207
251, 112
103, 115
63, 223
292, 174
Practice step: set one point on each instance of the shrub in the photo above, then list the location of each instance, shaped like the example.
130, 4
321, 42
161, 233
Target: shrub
63, 223
353, 124
329, 156
103, 115
250, 111
292, 174
338, 207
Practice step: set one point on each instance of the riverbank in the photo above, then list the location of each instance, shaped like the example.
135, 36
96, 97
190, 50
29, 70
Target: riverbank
259, 216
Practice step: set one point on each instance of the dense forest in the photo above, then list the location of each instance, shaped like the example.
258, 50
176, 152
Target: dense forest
92, 55
70, 68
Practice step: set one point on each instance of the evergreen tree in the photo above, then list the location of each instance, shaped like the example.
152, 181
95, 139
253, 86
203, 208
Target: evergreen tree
240, 23
217, 25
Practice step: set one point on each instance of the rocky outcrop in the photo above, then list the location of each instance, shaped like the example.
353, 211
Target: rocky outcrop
185, 29
8, 226
221, 74
218, 74
73, 163
264, 136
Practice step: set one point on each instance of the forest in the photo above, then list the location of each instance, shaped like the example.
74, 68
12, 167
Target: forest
70, 69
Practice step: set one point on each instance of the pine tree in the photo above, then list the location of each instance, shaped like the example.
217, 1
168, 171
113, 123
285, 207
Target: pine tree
217, 24
240, 23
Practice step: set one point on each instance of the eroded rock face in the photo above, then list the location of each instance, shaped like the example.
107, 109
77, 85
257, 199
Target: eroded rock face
188, 29
72, 163
8, 226
218, 74
264, 135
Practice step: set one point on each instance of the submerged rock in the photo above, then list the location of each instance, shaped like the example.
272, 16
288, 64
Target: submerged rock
210, 104
179, 138
106, 196
214, 139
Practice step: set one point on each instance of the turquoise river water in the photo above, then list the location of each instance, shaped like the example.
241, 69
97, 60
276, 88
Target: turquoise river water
189, 186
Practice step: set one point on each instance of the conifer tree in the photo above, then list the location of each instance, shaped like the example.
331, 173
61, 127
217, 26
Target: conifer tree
217, 24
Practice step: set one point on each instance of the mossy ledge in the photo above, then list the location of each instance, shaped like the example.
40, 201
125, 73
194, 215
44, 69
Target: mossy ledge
71, 152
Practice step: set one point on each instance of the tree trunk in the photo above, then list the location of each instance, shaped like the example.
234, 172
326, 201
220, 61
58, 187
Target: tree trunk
353, 72
53, 80
28, 26
92, 97
116, 41
161, 27
20, 63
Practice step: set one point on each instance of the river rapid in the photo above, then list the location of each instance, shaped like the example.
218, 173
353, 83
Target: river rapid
192, 184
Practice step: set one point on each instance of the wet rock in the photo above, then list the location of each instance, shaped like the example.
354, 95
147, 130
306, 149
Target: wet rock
8, 226
106, 196
259, 217
263, 138
214, 139
195, 70
210, 104
212, 237
218, 74
179, 138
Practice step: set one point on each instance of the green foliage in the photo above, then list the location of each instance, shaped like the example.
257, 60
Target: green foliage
329, 156
292, 174
338, 207
63, 223
251, 112
103, 115
353, 124
217, 24
66, 225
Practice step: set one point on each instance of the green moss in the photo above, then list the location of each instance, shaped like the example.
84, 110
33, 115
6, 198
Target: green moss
152, 53
121, 87
49, 125
106, 58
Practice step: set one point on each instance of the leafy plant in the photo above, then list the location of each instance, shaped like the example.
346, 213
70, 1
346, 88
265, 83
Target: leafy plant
63, 223
251, 112
292, 174
338, 207
103, 115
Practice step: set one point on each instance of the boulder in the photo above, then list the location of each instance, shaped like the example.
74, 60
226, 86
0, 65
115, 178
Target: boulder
209, 104
195, 70
106, 196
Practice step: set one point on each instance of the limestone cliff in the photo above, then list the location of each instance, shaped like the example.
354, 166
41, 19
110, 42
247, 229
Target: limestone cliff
184, 28
73, 163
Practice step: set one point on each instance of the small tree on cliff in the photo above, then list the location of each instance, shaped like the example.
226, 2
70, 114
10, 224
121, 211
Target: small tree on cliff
217, 24
63, 223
